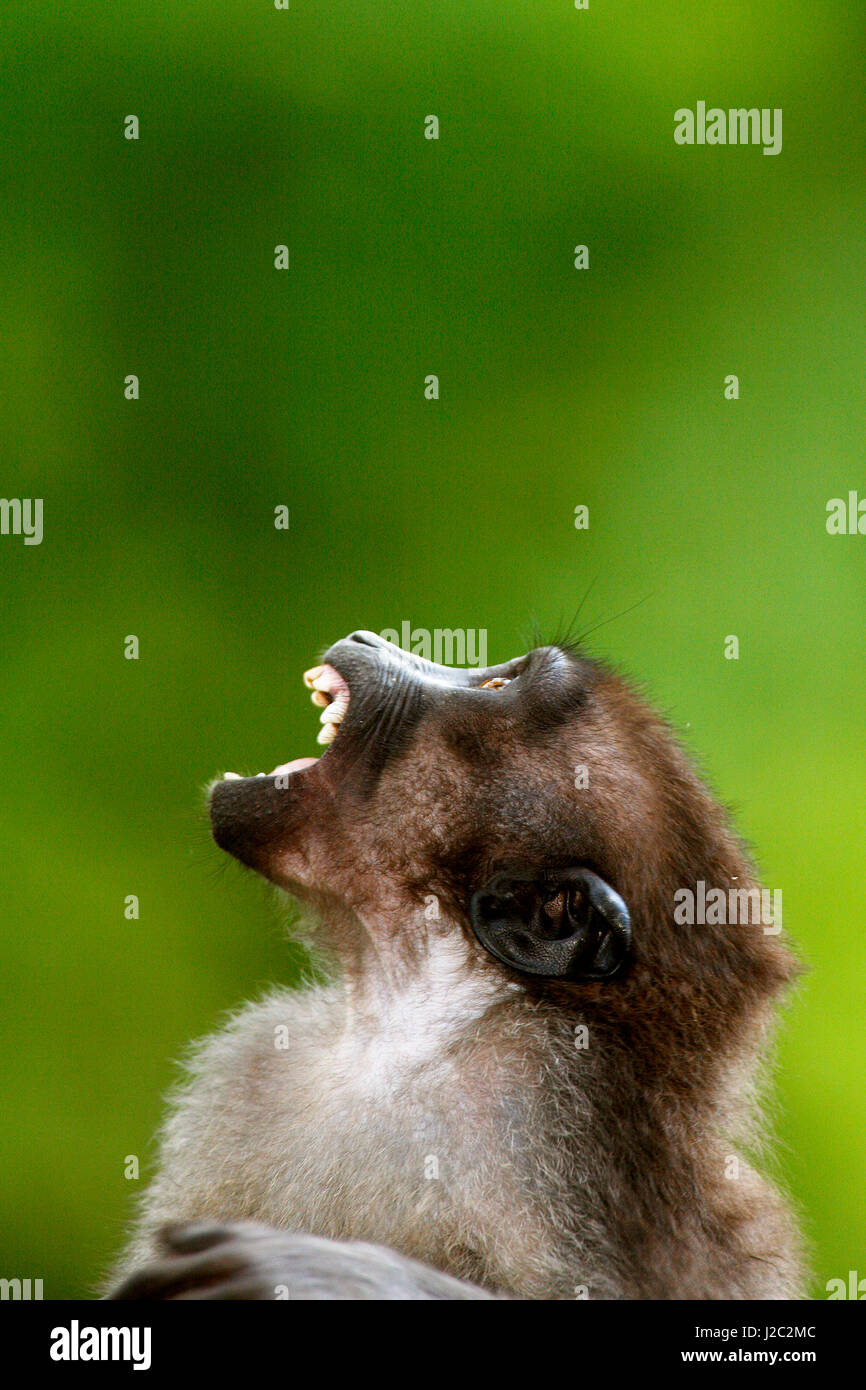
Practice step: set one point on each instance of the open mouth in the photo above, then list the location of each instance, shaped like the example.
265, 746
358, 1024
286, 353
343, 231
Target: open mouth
330, 693
372, 661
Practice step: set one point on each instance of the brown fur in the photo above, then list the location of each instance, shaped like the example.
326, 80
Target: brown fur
558, 1169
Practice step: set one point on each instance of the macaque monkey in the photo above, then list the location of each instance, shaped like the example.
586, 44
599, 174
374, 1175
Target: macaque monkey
524, 1078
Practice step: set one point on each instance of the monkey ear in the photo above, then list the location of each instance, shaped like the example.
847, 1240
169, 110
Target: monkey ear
566, 924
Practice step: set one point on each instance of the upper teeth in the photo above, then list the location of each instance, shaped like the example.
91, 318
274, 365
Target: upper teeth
331, 694
331, 717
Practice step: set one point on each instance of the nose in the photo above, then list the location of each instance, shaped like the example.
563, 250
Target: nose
391, 690
369, 639
364, 655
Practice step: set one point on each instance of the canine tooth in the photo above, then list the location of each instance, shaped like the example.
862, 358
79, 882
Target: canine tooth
319, 698
327, 733
312, 674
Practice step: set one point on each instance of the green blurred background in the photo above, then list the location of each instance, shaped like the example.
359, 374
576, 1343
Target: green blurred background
306, 388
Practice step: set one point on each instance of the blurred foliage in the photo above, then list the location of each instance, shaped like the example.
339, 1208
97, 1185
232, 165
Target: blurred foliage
305, 387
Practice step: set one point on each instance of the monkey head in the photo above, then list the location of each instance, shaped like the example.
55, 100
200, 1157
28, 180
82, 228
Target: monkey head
537, 809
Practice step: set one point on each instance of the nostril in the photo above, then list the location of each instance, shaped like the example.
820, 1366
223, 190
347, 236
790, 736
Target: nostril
366, 639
